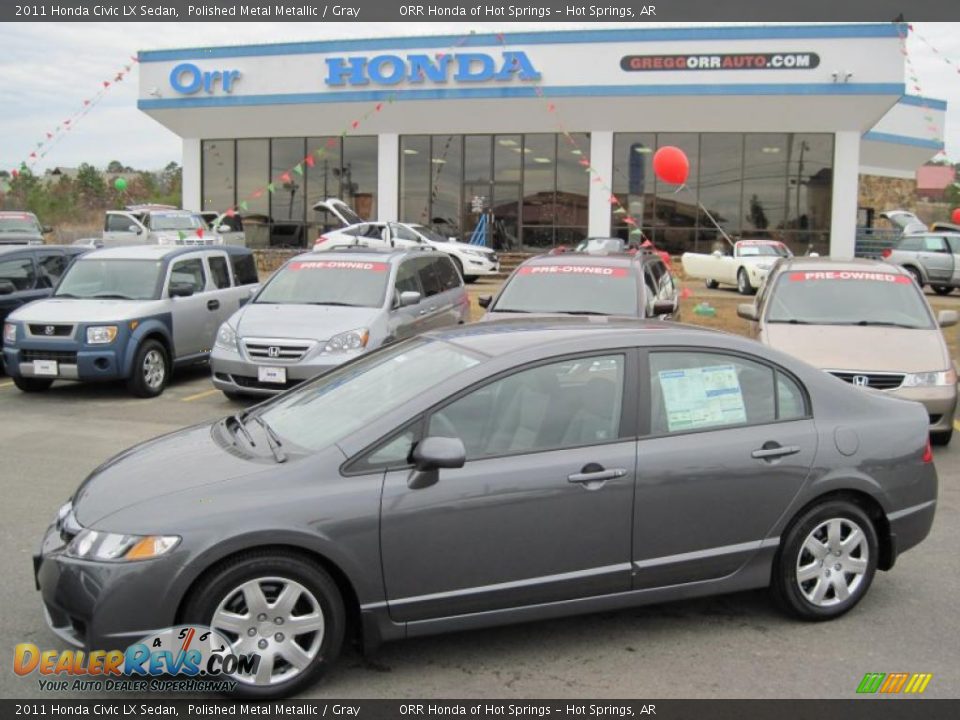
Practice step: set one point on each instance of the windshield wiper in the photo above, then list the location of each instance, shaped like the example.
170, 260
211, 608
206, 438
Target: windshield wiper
884, 323
241, 428
338, 304
272, 440
110, 296
580, 312
510, 310
791, 321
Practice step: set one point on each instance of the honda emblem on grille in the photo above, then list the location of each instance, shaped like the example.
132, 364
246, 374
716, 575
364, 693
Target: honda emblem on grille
273, 351
48, 330
860, 380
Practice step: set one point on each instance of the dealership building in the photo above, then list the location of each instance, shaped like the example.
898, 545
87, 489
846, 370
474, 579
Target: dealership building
533, 132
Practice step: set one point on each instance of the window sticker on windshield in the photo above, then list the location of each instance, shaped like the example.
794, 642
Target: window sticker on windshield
339, 265
574, 270
702, 397
849, 275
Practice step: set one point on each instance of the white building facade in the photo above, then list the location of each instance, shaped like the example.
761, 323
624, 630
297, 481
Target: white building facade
551, 134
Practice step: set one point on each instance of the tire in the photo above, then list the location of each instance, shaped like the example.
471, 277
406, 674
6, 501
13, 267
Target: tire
942, 289
222, 589
151, 370
743, 283
858, 564
915, 274
470, 278
31, 385
711, 284
941, 438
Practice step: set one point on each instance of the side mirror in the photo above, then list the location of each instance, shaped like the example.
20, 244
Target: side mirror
747, 311
224, 229
134, 229
46, 229
430, 455
664, 307
485, 300
717, 254
409, 297
181, 289
947, 318
7, 287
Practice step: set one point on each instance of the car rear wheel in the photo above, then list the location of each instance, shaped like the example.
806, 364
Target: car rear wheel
712, 284
32, 385
942, 289
941, 438
743, 283
915, 274
151, 370
281, 607
826, 562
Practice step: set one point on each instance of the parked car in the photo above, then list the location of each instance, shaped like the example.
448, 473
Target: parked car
630, 285
228, 227
484, 475
323, 309
865, 322
333, 214
746, 268
29, 273
606, 245
153, 225
21, 228
472, 261
932, 259
130, 313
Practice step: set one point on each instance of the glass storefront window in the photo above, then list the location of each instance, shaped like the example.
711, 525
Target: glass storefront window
217, 164
720, 186
287, 199
764, 183
253, 172
415, 178
358, 179
539, 189
323, 182
446, 171
573, 186
676, 213
633, 182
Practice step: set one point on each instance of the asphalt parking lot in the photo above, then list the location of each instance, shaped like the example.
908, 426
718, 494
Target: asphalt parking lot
731, 646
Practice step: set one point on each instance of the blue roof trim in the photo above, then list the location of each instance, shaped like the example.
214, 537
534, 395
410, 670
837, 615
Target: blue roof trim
520, 92
903, 140
787, 32
926, 102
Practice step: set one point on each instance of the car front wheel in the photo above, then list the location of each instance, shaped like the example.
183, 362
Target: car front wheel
711, 284
826, 562
942, 289
941, 438
915, 274
151, 370
282, 608
743, 283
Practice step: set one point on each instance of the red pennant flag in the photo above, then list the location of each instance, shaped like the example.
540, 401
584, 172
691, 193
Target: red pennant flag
66, 122
630, 221
118, 78
613, 200
285, 177
331, 142
551, 107
106, 83
257, 193
49, 136
685, 293
15, 173
500, 37
33, 154
355, 124
230, 212
441, 56
585, 162
309, 160
86, 102
379, 107
135, 58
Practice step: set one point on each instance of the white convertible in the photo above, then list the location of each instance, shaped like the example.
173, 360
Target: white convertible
746, 268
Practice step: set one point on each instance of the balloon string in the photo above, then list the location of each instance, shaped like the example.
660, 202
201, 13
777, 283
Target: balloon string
706, 212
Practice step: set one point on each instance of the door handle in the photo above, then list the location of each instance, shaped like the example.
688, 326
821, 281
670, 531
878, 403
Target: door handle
772, 451
427, 310
213, 305
592, 476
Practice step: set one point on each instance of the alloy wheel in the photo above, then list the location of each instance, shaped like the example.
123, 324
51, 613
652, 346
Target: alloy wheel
832, 562
154, 369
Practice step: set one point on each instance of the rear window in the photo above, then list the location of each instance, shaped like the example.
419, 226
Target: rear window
910, 243
575, 289
351, 283
244, 268
26, 224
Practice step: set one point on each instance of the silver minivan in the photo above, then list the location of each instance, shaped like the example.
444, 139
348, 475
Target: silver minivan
131, 313
322, 309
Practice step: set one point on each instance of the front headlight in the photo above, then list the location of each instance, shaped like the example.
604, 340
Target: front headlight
9, 333
930, 379
95, 545
167, 239
470, 251
351, 340
226, 338
101, 334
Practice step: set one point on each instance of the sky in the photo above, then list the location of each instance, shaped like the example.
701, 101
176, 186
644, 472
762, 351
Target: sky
48, 69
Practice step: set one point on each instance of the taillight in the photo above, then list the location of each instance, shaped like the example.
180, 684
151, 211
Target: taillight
928, 452
886, 252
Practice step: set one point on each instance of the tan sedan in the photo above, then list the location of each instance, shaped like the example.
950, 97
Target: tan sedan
867, 323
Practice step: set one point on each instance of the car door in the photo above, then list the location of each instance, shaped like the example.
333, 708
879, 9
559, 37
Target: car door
224, 294
403, 237
728, 443
953, 242
121, 228
936, 257
18, 282
540, 511
437, 306
195, 317
406, 321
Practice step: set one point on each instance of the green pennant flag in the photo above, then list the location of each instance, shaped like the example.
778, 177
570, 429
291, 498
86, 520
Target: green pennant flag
181, 234
298, 169
619, 211
243, 205
271, 187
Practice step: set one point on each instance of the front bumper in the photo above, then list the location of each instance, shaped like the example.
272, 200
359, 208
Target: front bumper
480, 266
235, 374
73, 362
940, 402
102, 606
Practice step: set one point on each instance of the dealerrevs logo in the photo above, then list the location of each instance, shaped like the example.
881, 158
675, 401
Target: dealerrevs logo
728, 61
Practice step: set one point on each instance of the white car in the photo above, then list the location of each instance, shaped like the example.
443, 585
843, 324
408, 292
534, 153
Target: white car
746, 268
154, 225
472, 261
229, 227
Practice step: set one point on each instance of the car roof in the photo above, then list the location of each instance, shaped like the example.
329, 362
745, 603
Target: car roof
353, 252
805, 263
16, 213
149, 252
75, 249
586, 259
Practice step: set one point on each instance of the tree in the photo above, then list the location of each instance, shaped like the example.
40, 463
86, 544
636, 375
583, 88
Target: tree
115, 166
91, 187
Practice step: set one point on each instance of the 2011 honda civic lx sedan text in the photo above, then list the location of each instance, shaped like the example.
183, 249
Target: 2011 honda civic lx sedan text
487, 474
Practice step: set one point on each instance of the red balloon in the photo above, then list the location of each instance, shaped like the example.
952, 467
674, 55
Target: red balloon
955, 216
671, 165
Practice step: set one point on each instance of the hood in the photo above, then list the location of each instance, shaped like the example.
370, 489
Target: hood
169, 464
308, 322
868, 349
467, 246
74, 310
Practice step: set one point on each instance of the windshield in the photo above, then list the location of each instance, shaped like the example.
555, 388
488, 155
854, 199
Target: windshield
762, 250
848, 298
179, 221
430, 234
345, 400
585, 289
123, 279
358, 283
19, 224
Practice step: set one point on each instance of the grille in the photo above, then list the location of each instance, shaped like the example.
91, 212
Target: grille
284, 351
877, 381
55, 330
66, 357
251, 382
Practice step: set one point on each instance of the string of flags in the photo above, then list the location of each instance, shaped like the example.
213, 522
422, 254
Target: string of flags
935, 130
53, 136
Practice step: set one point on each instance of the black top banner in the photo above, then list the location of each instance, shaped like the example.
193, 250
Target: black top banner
482, 11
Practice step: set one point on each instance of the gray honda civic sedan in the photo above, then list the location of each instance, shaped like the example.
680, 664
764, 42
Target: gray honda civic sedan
489, 474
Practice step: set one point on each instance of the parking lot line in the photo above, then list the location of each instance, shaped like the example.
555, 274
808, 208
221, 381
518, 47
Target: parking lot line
8, 383
197, 396
956, 425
